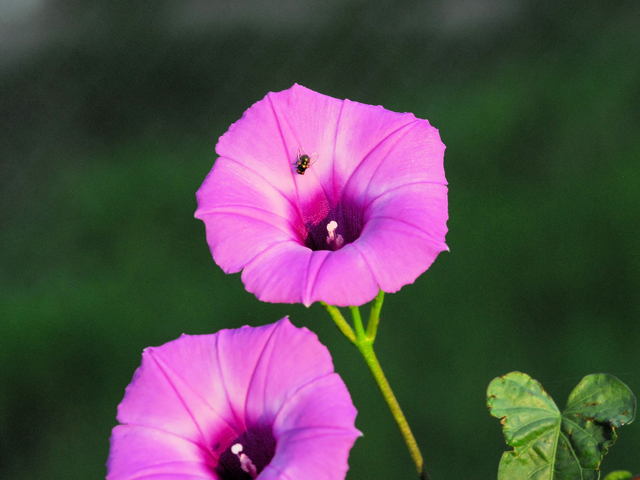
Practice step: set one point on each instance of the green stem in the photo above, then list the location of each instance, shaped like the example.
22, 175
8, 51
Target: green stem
342, 324
364, 341
357, 324
374, 316
365, 344
373, 364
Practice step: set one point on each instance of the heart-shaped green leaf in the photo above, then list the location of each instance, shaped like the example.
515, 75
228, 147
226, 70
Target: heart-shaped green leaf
549, 445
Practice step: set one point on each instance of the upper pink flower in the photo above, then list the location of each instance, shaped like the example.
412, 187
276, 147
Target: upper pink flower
240, 404
369, 213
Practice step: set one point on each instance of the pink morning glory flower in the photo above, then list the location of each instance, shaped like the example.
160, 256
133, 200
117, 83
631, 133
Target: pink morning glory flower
316, 198
236, 405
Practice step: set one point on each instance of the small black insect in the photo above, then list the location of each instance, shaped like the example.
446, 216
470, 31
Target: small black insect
304, 161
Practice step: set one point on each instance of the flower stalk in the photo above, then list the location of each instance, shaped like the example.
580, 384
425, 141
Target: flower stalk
364, 340
374, 316
339, 320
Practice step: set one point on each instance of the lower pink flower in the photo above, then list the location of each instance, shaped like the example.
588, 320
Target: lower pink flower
237, 405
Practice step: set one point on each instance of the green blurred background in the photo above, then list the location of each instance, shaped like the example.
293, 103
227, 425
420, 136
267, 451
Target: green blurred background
109, 114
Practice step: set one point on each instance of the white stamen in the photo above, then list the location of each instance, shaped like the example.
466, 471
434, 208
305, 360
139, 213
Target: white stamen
331, 230
247, 466
236, 449
245, 462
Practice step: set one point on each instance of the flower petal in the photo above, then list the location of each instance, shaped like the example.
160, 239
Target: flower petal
315, 432
322, 403
244, 214
258, 141
292, 358
238, 352
345, 278
141, 452
316, 454
422, 205
363, 129
279, 273
167, 396
411, 154
298, 120
397, 252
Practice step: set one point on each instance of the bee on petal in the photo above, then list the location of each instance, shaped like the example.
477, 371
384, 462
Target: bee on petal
304, 161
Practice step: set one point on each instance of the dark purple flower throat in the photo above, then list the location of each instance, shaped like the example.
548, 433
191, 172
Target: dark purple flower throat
247, 455
339, 226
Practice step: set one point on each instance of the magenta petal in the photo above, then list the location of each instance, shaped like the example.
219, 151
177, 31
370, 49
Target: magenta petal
412, 154
345, 278
155, 453
322, 403
389, 244
279, 273
364, 129
268, 389
290, 273
314, 428
238, 353
318, 455
242, 225
280, 373
165, 394
407, 221
306, 238
269, 134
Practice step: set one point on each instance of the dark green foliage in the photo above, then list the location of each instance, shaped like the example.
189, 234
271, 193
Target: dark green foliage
549, 445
